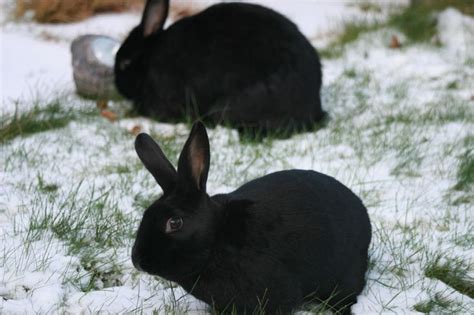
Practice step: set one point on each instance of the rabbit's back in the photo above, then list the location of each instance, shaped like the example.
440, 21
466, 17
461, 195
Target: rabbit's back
307, 224
239, 63
247, 40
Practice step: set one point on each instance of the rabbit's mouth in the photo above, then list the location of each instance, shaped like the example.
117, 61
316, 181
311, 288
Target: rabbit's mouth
176, 269
173, 271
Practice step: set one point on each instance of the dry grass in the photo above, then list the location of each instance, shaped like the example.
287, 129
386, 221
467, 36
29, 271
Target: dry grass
64, 11
181, 9
60, 11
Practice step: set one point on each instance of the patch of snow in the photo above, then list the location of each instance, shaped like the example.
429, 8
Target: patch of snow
30, 66
24, 74
412, 219
456, 33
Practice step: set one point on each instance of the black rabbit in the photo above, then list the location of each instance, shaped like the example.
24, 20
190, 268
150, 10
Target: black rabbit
235, 63
278, 241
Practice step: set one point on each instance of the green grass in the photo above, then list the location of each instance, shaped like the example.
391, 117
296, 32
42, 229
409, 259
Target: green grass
464, 239
409, 154
463, 191
453, 85
350, 73
418, 21
350, 32
465, 172
439, 113
382, 144
394, 270
454, 273
98, 274
465, 6
367, 6
41, 118
122, 168
434, 303
142, 201
91, 226
46, 187
81, 222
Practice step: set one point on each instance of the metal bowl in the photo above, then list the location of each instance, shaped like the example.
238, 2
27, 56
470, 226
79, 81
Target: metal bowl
93, 58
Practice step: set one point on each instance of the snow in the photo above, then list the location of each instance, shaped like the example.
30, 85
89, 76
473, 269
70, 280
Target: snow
51, 72
456, 33
413, 219
24, 74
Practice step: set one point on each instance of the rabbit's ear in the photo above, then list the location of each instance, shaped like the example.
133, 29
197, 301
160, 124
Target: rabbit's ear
156, 162
154, 16
194, 160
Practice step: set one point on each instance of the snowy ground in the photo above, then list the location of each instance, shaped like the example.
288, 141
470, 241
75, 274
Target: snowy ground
401, 125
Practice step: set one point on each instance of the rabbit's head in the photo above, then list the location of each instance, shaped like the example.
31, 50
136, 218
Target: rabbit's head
177, 231
130, 58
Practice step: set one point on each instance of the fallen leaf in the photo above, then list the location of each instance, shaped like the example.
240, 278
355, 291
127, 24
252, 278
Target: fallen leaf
111, 116
394, 42
136, 129
101, 104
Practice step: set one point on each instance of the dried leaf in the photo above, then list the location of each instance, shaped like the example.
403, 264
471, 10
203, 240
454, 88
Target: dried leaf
136, 130
109, 115
101, 104
394, 42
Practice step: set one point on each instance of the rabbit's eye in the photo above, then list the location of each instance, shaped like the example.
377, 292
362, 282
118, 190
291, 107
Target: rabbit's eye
124, 64
174, 224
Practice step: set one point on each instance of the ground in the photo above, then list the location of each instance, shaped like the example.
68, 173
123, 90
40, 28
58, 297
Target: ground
400, 135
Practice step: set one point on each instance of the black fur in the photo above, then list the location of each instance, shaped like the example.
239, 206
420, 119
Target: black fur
276, 242
235, 63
